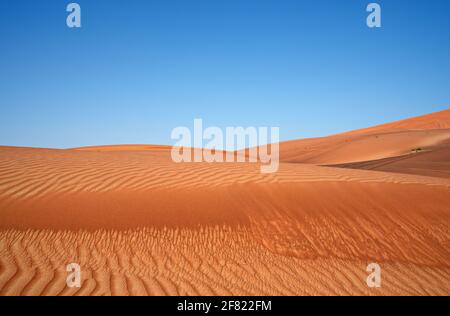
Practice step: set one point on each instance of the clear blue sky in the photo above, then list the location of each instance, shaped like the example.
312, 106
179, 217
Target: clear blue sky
137, 69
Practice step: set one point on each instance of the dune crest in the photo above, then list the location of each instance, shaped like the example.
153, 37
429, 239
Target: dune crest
436, 120
383, 141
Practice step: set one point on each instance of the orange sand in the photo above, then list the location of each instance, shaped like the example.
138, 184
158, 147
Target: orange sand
139, 224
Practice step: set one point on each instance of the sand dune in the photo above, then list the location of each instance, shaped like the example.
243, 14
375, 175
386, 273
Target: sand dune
433, 161
209, 261
356, 148
128, 147
379, 142
432, 121
139, 224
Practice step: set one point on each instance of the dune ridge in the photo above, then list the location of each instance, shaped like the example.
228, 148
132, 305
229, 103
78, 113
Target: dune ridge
431, 121
373, 143
433, 162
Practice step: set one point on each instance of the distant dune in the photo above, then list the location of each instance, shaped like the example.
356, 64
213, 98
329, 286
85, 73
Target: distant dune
379, 142
137, 147
433, 161
432, 121
139, 224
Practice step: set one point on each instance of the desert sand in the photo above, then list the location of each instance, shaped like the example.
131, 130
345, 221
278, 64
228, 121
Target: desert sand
139, 224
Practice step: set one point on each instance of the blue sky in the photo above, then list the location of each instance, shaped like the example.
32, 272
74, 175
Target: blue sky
138, 69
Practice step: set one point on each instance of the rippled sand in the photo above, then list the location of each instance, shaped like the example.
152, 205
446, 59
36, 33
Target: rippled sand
139, 224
